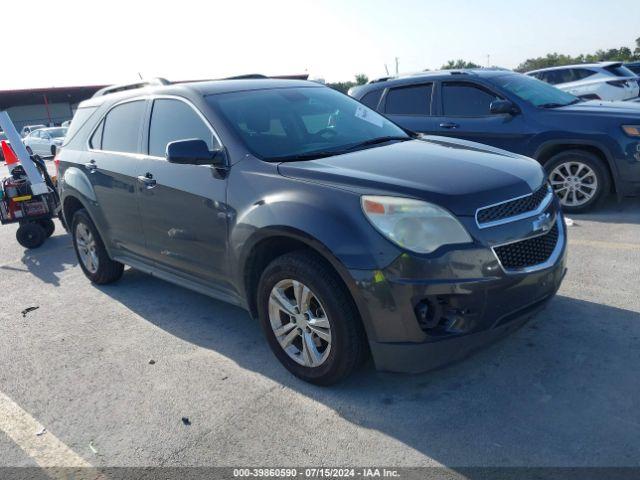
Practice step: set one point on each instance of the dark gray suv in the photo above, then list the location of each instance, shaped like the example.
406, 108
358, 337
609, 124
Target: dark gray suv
340, 231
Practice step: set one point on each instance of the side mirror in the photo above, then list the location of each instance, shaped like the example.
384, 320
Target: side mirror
498, 107
195, 152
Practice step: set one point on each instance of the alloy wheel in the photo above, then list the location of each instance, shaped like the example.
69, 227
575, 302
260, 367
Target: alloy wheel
300, 323
575, 183
86, 244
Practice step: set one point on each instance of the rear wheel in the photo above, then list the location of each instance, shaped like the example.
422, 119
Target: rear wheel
579, 179
92, 255
310, 319
48, 225
31, 235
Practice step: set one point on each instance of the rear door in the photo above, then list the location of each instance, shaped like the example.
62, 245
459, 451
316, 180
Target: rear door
410, 107
113, 163
463, 111
183, 206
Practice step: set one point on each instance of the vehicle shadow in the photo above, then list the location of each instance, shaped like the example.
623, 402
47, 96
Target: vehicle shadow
552, 394
48, 261
613, 211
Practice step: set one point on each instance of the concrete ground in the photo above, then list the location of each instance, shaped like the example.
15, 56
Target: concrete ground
562, 391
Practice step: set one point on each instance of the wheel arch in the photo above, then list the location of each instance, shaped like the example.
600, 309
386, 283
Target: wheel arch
548, 150
272, 242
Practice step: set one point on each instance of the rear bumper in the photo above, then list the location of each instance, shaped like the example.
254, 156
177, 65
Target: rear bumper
472, 300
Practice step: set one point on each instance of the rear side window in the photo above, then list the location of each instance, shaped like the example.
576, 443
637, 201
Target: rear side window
79, 119
466, 100
122, 127
619, 71
581, 74
372, 99
173, 120
413, 100
95, 141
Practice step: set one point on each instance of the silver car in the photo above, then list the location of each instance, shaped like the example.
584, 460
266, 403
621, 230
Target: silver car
45, 141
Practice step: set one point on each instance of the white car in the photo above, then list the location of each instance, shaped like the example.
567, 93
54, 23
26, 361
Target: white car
593, 81
27, 129
45, 141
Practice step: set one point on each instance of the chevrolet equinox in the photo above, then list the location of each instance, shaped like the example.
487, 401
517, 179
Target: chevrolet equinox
342, 233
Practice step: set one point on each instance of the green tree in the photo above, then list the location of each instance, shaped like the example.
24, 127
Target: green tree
458, 65
361, 79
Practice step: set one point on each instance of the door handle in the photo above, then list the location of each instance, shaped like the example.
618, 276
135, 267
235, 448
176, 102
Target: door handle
147, 180
91, 166
449, 125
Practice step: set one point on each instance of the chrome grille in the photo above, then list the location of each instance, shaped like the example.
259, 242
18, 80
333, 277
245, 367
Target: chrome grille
512, 208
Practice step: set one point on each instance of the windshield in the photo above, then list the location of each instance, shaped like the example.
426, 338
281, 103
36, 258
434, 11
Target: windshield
538, 93
56, 132
289, 123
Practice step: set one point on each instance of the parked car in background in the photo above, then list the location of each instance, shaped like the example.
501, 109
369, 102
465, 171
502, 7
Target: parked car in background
634, 67
45, 141
66, 123
325, 220
592, 81
27, 129
588, 148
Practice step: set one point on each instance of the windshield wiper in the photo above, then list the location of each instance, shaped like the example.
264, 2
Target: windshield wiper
376, 141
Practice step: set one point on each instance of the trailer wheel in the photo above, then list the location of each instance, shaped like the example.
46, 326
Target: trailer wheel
31, 235
48, 225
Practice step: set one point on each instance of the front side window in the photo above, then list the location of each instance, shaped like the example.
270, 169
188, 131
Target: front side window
535, 92
413, 100
299, 123
122, 127
173, 120
466, 100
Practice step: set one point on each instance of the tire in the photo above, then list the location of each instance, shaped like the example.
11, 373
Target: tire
48, 225
92, 255
31, 235
563, 169
331, 301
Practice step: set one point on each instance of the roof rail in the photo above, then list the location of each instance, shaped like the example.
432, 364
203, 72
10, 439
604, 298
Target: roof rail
381, 79
248, 76
131, 86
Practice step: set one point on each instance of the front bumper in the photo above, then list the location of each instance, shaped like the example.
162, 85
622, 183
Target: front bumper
472, 301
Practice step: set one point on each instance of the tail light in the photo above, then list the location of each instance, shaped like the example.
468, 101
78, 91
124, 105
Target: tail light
618, 83
56, 162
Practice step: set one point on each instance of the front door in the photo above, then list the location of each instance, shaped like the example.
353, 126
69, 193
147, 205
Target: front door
464, 112
183, 207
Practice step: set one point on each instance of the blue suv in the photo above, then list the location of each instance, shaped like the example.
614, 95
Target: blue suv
588, 148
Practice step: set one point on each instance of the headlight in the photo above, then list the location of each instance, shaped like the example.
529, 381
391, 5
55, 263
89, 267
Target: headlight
632, 130
413, 224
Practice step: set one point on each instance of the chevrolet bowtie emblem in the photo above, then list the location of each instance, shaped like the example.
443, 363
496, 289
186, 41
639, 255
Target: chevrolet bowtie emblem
543, 223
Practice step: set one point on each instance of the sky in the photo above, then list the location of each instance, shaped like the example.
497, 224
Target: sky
69, 42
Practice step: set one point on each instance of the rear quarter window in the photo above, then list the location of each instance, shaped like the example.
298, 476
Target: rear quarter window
372, 99
79, 119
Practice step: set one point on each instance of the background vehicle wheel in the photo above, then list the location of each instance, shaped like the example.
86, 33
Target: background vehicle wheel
92, 255
310, 319
31, 235
29, 151
579, 178
48, 225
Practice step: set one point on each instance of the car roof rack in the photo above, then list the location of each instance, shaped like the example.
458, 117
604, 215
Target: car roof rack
131, 86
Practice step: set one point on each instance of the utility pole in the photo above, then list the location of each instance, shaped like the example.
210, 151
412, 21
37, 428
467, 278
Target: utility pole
386, 69
396, 66
488, 60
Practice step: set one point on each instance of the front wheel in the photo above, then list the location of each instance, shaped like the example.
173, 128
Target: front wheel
310, 319
579, 179
92, 255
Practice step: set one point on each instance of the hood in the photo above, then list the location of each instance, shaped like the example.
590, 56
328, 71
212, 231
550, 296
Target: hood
455, 174
606, 109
